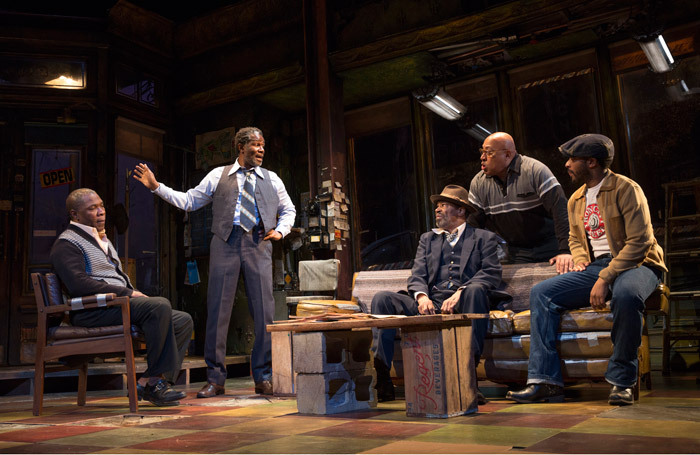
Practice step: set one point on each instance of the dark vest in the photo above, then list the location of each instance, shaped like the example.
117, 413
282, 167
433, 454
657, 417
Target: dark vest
448, 278
226, 197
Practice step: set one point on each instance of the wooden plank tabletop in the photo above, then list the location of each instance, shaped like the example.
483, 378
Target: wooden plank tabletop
369, 321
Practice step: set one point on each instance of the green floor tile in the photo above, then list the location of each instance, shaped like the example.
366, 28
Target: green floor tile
285, 425
119, 437
670, 429
488, 435
311, 444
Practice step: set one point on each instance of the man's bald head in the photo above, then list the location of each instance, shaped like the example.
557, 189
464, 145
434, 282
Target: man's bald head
500, 140
497, 152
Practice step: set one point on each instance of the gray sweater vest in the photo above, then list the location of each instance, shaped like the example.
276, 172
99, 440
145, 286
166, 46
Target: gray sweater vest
226, 197
97, 264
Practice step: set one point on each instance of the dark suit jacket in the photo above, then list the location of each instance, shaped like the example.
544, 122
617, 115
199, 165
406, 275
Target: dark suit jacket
479, 263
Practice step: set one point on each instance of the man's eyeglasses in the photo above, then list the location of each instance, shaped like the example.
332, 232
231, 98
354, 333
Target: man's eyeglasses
489, 153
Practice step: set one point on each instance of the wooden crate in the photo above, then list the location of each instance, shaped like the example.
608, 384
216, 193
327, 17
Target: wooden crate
283, 375
439, 373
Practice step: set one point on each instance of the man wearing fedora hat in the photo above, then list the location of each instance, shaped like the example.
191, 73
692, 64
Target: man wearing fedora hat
455, 267
615, 256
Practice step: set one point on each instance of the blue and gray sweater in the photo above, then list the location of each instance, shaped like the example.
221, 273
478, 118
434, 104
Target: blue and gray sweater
84, 268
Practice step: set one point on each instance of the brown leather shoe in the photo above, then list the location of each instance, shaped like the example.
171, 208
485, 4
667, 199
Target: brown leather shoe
211, 390
264, 387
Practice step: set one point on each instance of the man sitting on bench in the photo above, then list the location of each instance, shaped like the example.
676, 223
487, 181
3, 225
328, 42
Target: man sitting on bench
615, 253
455, 267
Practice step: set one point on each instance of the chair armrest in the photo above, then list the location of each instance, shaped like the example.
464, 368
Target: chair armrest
79, 303
55, 309
88, 302
115, 301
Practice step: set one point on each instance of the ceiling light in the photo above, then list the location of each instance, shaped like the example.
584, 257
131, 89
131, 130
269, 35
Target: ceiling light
478, 132
438, 101
657, 52
64, 81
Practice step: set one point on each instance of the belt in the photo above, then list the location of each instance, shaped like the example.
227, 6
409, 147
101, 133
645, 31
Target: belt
604, 256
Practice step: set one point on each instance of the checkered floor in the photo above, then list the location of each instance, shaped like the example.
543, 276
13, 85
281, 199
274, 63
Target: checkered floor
665, 420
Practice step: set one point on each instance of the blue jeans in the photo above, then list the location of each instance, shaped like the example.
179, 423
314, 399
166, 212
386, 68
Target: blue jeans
552, 297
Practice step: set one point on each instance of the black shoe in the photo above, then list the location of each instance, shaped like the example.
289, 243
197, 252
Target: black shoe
385, 388
140, 388
538, 393
385, 391
621, 396
161, 394
480, 398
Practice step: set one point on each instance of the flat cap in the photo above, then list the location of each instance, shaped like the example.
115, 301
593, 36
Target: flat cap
588, 145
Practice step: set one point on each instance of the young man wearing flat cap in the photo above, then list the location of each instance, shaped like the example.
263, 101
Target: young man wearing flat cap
455, 267
615, 256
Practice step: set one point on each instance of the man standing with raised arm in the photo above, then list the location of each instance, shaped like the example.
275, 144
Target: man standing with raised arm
251, 208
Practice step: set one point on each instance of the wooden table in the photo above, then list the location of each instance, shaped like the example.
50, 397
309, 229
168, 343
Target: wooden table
439, 370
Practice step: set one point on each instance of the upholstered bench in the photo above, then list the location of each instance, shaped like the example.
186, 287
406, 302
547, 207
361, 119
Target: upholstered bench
584, 341
585, 334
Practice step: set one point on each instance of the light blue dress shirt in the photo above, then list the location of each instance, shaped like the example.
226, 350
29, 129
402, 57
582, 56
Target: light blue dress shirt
201, 195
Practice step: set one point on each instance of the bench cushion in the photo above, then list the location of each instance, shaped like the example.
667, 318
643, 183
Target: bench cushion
518, 280
316, 307
583, 320
571, 345
368, 283
515, 371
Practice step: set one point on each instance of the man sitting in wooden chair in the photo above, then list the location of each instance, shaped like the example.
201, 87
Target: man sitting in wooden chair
87, 263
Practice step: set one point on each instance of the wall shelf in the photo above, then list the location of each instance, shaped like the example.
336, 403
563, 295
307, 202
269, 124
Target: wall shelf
682, 250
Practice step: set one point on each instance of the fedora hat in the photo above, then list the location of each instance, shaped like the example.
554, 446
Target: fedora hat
456, 195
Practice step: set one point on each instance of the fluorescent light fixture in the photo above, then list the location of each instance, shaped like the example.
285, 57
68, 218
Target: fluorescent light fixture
437, 100
680, 91
657, 52
478, 132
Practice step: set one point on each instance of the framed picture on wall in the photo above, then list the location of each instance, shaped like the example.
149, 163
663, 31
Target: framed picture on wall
214, 148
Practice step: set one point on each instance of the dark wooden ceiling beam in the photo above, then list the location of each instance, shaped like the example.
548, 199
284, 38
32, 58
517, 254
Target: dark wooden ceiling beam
236, 90
464, 29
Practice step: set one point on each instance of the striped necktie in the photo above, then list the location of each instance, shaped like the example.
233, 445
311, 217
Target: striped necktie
248, 218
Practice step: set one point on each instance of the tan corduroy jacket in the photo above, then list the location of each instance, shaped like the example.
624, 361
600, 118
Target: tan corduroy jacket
628, 227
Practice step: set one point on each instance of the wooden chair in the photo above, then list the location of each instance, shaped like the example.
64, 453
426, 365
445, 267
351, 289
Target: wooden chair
57, 342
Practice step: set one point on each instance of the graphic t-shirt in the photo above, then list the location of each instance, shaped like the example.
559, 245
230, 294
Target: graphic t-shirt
593, 222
